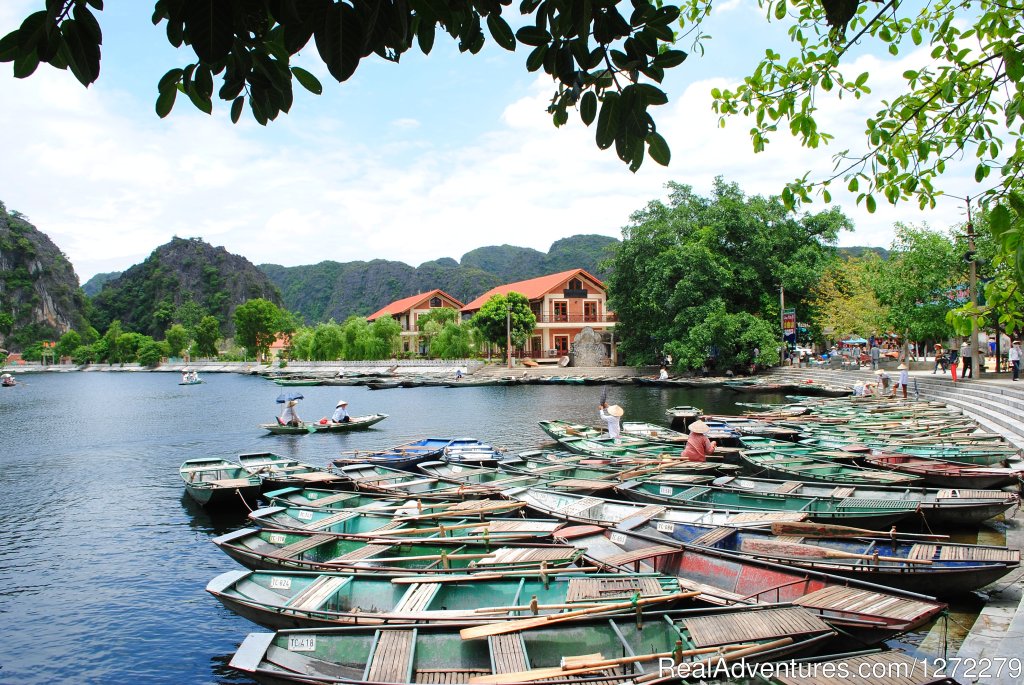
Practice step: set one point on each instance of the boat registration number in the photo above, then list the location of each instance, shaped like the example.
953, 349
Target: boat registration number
312, 495
303, 643
665, 527
456, 469
305, 515
665, 489
618, 538
277, 583
276, 538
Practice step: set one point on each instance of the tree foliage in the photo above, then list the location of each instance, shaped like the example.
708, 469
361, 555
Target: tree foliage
453, 342
257, 323
695, 257
363, 340
844, 299
207, 333
504, 313
177, 339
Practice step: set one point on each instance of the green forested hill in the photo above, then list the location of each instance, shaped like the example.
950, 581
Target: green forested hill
94, 285
146, 296
335, 290
39, 294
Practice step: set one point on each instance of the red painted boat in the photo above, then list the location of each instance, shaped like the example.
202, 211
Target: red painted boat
947, 474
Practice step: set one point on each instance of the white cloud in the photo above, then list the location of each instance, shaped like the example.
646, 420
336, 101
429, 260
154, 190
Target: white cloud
108, 181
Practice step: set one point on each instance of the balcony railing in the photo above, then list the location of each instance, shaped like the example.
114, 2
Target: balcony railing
576, 318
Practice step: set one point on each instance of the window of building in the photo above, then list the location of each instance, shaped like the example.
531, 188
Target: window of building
590, 311
562, 345
561, 311
435, 302
575, 284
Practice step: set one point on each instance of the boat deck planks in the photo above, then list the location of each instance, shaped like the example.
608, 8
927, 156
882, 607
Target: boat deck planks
755, 516
514, 555
789, 486
710, 631
297, 548
304, 665
641, 515
331, 499
580, 507
364, 552
956, 553
848, 599
584, 589
508, 653
922, 551
316, 593
898, 668
973, 494
843, 492
230, 482
392, 657
448, 675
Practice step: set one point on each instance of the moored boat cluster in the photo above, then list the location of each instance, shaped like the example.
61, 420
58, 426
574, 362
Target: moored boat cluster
816, 529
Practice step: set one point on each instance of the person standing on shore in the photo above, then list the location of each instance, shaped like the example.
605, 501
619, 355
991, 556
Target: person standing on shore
611, 415
904, 379
1015, 356
876, 353
965, 355
940, 359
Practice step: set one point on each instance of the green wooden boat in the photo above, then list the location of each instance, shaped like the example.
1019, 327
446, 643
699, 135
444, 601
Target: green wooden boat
771, 463
215, 482
564, 429
553, 476
348, 522
600, 650
289, 599
372, 478
264, 548
333, 500
357, 422
868, 513
297, 382
939, 507
641, 452
276, 472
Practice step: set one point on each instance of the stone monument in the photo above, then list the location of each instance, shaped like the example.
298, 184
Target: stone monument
588, 349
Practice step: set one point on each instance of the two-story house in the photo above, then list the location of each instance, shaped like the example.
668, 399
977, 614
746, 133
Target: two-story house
408, 310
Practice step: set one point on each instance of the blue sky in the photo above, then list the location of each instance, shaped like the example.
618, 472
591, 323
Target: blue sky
427, 159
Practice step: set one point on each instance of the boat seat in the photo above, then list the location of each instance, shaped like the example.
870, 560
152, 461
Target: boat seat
297, 548
508, 653
640, 516
448, 675
417, 597
713, 536
588, 589
525, 555
789, 486
922, 551
317, 592
640, 554
842, 492
331, 499
316, 477
403, 484
391, 659
580, 507
751, 626
230, 482
364, 552
328, 521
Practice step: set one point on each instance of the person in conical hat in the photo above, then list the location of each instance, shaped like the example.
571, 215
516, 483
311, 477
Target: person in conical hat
341, 413
904, 379
611, 415
698, 447
290, 417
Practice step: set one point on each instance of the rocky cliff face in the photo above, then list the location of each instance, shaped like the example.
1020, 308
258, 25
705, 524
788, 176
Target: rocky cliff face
147, 297
39, 293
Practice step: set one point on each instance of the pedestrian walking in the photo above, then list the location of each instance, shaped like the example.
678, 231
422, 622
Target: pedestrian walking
965, 355
1015, 356
940, 359
876, 353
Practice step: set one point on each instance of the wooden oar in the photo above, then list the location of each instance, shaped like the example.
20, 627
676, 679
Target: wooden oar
829, 530
550, 619
792, 549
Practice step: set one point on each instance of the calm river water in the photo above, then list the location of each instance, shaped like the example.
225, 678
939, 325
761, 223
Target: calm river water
104, 559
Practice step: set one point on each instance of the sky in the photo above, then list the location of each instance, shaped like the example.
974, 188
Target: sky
430, 158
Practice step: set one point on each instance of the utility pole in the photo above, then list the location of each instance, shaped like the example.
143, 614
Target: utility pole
508, 332
782, 320
972, 288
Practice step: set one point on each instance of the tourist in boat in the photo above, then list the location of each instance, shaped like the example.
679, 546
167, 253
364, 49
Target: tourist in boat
184, 376
663, 374
904, 379
611, 415
698, 447
341, 413
458, 374
290, 417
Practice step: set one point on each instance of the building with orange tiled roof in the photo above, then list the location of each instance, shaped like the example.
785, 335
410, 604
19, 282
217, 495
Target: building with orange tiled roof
408, 310
564, 304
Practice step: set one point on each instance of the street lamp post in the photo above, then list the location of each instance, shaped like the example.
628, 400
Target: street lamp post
973, 293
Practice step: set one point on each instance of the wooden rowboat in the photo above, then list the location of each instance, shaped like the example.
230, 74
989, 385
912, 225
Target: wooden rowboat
588, 650
290, 599
938, 506
849, 510
266, 548
217, 482
771, 463
866, 613
332, 500
356, 423
947, 474
404, 456
276, 472
555, 476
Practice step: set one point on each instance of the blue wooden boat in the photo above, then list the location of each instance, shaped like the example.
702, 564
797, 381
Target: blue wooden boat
333, 500
404, 456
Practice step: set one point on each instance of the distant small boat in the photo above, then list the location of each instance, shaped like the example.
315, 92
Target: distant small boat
217, 482
290, 382
8, 381
355, 423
